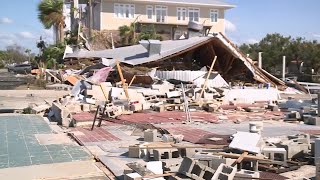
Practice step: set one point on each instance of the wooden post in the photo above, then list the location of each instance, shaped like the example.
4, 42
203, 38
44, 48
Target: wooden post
133, 78
209, 73
124, 85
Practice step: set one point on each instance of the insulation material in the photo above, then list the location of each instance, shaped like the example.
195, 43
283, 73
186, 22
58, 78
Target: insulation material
101, 75
197, 77
251, 95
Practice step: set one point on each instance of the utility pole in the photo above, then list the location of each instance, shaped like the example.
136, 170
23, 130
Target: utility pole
90, 19
260, 60
283, 68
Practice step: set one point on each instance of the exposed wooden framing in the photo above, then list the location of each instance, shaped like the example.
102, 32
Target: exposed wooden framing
209, 73
123, 81
177, 147
229, 66
104, 91
247, 157
134, 77
185, 50
53, 76
239, 160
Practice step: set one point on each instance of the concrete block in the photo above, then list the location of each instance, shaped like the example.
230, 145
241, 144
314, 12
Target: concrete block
294, 149
246, 174
146, 106
187, 152
159, 108
172, 94
136, 152
85, 107
278, 154
136, 107
60, 113
212, 160
314, 120
132, 176
155, 167
224, 172
195, 170
167, 138
150, 135
317, 148
273, 107
294, 115
303, 138
159, 154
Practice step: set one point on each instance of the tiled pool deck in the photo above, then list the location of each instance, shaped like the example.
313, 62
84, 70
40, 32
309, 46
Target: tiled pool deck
19, 146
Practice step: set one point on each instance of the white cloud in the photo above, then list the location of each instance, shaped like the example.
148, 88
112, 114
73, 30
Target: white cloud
5, 20
48, 35
252, 41
26, 35
316, 35
229, 26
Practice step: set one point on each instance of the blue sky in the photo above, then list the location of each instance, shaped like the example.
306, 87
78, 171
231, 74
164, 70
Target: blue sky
249, 22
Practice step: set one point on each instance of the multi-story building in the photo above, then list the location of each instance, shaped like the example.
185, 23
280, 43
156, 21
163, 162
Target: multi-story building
168, 16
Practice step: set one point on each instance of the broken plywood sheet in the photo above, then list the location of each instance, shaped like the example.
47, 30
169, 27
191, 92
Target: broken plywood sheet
47, 139
246, 141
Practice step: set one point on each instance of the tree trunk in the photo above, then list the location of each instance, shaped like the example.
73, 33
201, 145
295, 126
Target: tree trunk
61, 33
56, 32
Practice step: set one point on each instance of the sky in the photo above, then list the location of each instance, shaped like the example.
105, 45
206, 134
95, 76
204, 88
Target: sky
248, 22
251, 20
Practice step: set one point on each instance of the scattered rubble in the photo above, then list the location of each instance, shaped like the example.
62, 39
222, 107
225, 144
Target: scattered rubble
150, 118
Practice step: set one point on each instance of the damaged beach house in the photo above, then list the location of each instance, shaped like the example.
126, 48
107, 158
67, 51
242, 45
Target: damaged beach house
191, 108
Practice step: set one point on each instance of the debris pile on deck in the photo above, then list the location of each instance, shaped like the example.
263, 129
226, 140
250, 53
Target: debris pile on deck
187, 109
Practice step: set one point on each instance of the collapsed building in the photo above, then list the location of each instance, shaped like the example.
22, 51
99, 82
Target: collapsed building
165, 114
177, 56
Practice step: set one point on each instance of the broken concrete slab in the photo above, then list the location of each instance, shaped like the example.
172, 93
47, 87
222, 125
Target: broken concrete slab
251, 142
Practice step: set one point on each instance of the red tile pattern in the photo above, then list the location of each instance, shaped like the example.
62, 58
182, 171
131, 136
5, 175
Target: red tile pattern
98, 134
197, 136
83, 116
311, 132
165, 117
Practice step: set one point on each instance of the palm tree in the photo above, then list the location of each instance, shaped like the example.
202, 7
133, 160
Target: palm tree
50, 14
127, 34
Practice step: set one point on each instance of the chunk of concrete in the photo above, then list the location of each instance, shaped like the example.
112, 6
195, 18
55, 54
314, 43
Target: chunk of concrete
276, 154
150, 135
173, 94
132, 176
155, 167
195, 170
224, 172
251, 142
313, 120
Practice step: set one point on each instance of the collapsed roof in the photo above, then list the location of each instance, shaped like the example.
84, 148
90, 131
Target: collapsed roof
185, 55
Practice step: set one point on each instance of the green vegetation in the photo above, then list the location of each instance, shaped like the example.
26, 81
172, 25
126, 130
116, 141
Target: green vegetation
50, 14
129, 36
274, 46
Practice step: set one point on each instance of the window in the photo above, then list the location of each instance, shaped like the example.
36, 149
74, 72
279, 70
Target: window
124, 10
181, 14
214, 15
194, 14
161, 13
150, 12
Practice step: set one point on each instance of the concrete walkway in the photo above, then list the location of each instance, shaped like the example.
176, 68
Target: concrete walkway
69, 170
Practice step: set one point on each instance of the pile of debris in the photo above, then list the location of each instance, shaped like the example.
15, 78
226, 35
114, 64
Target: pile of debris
159, 111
